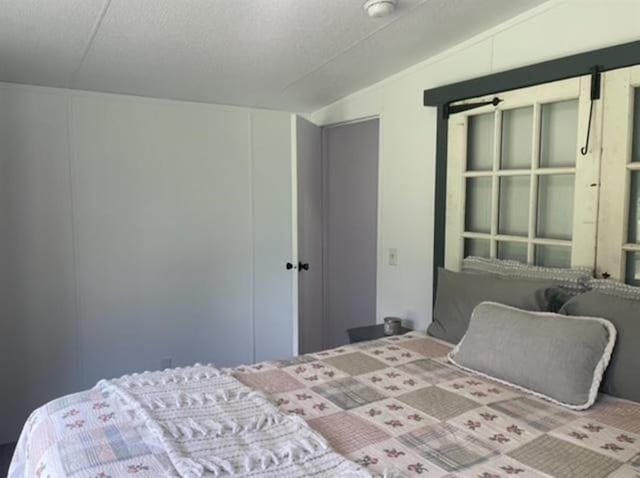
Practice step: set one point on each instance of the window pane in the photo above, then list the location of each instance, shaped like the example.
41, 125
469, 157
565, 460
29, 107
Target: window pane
635, 155
480, 143
634, 208
516, 251
476, 247
478, 205
633, 268
559, 134
514, 205
516, 138
555, 206
553, 256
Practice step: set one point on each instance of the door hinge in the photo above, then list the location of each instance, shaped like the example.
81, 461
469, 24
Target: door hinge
596, 80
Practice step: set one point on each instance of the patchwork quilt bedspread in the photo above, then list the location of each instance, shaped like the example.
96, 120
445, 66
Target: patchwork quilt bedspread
395, 406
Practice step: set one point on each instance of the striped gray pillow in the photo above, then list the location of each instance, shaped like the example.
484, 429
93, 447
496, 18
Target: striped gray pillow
573, 280
612, 287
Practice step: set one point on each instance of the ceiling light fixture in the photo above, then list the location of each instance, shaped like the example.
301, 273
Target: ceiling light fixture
380, 8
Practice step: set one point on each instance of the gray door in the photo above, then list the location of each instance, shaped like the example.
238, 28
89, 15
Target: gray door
351, 223
310, 232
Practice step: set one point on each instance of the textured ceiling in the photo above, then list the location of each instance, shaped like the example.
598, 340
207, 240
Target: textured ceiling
295, 55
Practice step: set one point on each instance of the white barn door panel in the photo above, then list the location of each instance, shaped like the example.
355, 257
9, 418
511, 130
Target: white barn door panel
619, 224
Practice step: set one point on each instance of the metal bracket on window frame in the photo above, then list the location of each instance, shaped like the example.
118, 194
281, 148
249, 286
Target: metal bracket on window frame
450, 109
596, 80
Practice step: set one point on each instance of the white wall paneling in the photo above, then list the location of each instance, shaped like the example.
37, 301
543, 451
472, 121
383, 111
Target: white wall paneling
136, 230
163, 234
37, 314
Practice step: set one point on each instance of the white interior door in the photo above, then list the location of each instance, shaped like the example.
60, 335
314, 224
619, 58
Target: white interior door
310, 236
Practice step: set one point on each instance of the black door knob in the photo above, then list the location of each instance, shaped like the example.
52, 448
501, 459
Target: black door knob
303, 266
289, 266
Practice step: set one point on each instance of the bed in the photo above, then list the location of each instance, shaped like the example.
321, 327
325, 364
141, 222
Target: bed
391, 407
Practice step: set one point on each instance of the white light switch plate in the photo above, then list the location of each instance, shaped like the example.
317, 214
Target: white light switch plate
393, 257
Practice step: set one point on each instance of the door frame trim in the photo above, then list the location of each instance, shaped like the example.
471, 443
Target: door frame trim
295, 306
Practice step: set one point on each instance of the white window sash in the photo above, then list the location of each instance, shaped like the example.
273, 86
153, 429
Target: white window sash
617, 140
586, 173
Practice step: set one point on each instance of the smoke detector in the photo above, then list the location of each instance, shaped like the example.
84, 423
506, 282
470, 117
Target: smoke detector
380, 8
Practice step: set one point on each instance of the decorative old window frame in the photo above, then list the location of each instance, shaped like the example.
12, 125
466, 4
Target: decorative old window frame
584, 171
619, 56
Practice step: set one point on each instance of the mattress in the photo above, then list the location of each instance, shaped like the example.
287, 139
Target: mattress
395, 406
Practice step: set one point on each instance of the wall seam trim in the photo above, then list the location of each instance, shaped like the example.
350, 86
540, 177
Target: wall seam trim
74, 241
380, 239
252, 214
90, 40
324, 140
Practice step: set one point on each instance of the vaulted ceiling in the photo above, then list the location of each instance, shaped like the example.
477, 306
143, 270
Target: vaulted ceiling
295, 55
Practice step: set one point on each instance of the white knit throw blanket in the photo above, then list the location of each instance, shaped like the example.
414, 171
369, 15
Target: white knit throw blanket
210, 424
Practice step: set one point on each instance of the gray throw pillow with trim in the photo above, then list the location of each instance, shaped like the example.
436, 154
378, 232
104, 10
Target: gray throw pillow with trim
556, 357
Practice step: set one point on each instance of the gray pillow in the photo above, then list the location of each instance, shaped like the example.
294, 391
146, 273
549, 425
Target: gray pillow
622, 378
458, 294
553, 356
